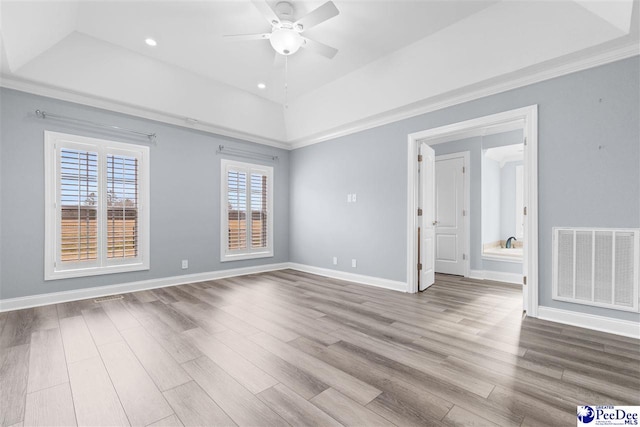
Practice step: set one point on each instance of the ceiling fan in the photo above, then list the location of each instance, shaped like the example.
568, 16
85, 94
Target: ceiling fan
286, 34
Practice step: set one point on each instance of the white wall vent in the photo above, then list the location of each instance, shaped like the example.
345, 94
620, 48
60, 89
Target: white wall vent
597, 267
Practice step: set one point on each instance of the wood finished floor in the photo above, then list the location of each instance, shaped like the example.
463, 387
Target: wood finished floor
293, 348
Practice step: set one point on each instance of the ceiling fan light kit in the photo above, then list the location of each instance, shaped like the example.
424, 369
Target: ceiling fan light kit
286, 34
286, 41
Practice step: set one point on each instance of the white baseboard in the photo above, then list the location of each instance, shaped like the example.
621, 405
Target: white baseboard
497, 276
599, 323
79, 294
351, 277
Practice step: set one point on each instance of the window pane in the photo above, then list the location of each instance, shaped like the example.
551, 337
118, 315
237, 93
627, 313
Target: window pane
237, 199
258, 210
78, 205
122, 207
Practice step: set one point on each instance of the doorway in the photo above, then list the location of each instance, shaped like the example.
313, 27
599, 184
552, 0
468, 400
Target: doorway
524, 119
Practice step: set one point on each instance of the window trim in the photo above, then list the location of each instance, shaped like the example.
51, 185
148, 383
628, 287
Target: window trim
52, 144
225, 254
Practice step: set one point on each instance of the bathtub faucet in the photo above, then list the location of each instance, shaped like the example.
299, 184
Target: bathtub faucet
508, 244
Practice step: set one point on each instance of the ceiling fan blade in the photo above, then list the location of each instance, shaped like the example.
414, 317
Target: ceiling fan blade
266, 11
244, 37
319, 48
317, 16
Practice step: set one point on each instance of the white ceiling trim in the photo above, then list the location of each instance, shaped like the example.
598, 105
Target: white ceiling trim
24, 85
619, 53
426, 106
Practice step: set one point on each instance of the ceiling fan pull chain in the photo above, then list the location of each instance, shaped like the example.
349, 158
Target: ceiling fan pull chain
286, 82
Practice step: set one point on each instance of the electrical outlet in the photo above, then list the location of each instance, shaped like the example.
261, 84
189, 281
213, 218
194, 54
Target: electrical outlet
185, 264
335, 260
353, 197
348, 198
353, 263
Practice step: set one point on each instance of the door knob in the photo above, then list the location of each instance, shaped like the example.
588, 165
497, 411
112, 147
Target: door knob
435, 222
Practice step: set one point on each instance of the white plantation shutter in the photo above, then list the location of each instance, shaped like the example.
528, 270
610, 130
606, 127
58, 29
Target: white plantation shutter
259, 214
96, 193
78, 205
237, 209
247, 202
122, 206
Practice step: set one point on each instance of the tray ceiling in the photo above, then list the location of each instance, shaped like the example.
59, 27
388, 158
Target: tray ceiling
392, 54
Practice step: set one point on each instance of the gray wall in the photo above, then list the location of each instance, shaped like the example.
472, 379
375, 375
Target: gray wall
185, 196
589, 175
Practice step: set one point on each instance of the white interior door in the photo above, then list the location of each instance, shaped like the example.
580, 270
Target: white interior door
450, 229
427, 199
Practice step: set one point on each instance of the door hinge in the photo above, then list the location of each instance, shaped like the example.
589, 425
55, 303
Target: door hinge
464, 212
525, 140
524, 280
525, 210
463, 169
464, 257
419, 267
419, 211
419, 157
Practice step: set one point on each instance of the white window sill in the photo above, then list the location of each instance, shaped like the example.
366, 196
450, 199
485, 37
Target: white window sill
244, 256
95, 271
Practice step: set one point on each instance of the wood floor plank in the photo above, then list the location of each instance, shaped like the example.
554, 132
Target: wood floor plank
271, 328
174, 343
20, 324
160, 366
141, 399
347, 411
294, 409
50, 407
195, 408
356, 389
461, 417
95, 399
245, 372
170, 421
77, 340
119, 315
244, 408
418, 402
101, 327
14, 371
301, 382
199, 315
47, 365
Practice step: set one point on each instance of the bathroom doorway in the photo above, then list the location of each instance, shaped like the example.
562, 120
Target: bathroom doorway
469, 136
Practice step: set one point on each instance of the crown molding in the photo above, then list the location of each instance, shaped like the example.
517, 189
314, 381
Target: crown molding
520, 79
29, 86
514, 81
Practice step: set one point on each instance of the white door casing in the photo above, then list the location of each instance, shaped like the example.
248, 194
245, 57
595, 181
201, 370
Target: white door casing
450, 221
427, 199
525, 118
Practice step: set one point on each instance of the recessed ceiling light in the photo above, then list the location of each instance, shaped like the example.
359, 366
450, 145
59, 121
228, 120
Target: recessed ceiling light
262, 86
151, 42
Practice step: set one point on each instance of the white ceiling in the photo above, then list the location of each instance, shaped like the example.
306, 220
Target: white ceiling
393, 56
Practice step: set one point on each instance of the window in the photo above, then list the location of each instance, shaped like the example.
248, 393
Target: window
97, 215
247, 211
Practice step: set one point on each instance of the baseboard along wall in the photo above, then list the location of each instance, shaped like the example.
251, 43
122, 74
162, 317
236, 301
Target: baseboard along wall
598, 323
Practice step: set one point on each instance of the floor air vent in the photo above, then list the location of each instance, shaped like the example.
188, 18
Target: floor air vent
596, 267
108, 298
